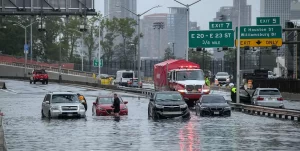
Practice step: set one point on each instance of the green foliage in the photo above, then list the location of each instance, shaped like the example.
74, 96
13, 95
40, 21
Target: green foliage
204, 59
169, 54
63, 34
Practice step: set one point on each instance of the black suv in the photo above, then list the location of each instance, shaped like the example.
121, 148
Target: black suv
167, 104
213, 105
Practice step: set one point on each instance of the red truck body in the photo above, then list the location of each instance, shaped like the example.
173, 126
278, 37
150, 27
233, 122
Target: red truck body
190, 87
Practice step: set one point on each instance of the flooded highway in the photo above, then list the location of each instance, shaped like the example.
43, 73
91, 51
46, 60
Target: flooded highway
25, 130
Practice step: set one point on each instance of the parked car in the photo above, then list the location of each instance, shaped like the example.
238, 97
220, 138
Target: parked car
103, 106
62, 104
38, 76
269, 97
167, 104
135, 83
212, 105
222, 78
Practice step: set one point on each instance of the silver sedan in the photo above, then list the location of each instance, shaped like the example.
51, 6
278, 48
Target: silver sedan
269, 97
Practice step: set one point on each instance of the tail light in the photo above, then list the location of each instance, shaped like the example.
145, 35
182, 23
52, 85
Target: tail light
140, 83
129, 82
260, 98
280, 99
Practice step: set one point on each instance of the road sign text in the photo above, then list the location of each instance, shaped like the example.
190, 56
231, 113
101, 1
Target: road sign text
259, 42
267, 20
258, 32
220, 25
211, 38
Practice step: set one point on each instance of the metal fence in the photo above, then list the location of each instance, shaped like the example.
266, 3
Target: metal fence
284, 85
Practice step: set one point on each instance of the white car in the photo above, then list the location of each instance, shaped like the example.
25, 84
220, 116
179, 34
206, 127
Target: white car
62, 104
269, 97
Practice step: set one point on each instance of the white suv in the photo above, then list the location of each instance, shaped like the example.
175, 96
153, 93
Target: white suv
62, 104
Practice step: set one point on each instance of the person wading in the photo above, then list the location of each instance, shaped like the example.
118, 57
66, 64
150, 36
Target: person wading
82, 100
116, 105
233, 94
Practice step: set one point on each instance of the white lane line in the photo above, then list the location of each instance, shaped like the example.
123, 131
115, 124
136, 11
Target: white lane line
8, 91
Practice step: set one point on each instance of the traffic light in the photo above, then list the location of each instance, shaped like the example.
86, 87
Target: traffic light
41, 27
247, 48
225, 48
82, 28
199, 49
274, 47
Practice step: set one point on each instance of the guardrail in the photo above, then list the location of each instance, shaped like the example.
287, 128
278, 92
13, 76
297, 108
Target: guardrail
49, 68
269, 112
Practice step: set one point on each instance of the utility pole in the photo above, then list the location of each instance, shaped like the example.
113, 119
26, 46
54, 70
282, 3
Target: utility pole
187, 25
138, 42
60, 37
238, 57
158, 25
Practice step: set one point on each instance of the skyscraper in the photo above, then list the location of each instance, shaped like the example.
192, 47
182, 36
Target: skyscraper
177, 30
114, 9
154, 42
276, 8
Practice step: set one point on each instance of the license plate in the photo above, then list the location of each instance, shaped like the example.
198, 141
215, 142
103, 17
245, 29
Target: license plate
216, 113
42, 79
194, 91
70, 114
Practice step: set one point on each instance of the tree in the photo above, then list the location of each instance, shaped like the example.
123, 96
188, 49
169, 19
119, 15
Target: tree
89, 38
168, 54
71, 30
203, 58
125, 30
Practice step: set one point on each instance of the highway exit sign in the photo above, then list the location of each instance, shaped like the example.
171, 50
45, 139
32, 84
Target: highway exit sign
211, 38
260, 32
220, 25
268, 20
259, 42
96, 63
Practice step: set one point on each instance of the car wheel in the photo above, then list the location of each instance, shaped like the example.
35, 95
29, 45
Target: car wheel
149, 112
154, 115
196, 111
43, 82
188, 115
46, 81
30, 82
229, 113
42, 114
201, 113
34, 82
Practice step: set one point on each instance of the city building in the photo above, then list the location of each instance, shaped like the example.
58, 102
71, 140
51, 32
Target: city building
113, 8
295, 10
154, 41
194, 26
177, 30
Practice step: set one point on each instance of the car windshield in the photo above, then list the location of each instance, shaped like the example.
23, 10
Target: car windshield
108, 100
39, 72
269, 92
127, 74
168, 97
213, 99
65, 98
222, 74
190, 75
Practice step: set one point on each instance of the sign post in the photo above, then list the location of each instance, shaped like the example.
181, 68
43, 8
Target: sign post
211, 38
26, 48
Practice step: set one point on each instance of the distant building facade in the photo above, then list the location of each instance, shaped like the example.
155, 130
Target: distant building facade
113, 8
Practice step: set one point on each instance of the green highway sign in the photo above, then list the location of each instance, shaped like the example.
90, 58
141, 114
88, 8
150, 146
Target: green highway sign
220, 25
211, 38
260, 32
96, 63
268, 20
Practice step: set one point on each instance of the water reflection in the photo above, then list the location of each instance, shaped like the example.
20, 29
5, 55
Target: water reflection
189, 138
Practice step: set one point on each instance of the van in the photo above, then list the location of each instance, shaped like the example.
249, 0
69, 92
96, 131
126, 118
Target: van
124, 76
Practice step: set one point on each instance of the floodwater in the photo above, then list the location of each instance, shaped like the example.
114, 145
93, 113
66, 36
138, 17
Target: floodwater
25, 129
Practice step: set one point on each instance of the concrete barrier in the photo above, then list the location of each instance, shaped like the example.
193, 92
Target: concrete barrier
2, 138
2, 85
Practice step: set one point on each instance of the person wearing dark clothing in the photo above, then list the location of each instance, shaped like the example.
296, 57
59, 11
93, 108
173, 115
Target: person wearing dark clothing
82, 100
116, 105
233, 94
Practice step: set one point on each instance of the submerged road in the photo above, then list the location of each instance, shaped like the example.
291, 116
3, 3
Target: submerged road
26, 130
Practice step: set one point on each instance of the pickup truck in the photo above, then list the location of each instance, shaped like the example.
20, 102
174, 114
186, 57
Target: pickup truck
38, 76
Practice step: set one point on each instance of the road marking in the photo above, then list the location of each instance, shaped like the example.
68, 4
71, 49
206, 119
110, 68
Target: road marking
8, 91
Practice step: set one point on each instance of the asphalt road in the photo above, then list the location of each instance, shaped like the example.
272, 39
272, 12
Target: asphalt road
26, 130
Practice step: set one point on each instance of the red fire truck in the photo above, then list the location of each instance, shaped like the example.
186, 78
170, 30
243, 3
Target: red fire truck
182, 76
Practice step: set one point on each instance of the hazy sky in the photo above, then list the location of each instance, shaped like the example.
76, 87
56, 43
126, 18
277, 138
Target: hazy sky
202, 12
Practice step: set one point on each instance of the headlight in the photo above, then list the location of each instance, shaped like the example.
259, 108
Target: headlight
54, 107
203, 108
159, 106
182, 91
227, 108
183, 106
124, 108
82, 107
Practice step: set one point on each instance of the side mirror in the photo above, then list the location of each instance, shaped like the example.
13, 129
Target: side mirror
94, 103
151, 100
47, 102
125, 102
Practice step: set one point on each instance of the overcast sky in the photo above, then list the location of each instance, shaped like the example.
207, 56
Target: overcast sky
202, 12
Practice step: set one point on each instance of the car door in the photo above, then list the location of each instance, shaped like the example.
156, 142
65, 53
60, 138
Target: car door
43, 104
151, 103
47, 105
254, 96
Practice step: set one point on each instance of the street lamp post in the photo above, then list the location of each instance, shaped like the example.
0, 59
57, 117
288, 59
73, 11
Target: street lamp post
158, 25
238, 57
187, 25
138, 42
25, 52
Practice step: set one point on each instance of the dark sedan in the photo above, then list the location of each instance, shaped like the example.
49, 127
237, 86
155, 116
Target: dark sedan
167, 104
213, 105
